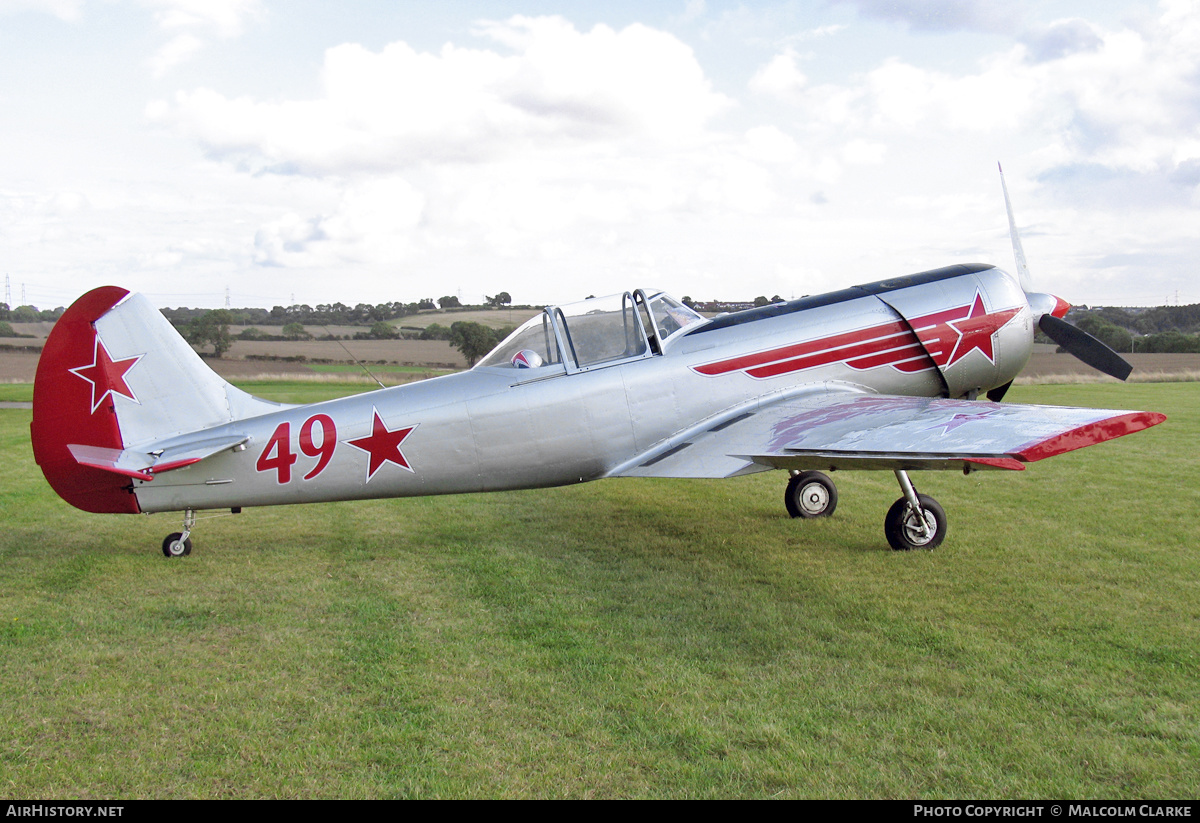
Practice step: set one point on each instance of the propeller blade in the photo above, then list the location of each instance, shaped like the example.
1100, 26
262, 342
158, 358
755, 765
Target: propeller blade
1085, 347
997, 394
1018, 251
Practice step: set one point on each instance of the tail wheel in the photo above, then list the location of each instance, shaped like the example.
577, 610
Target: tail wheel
176, 545
810, 494
907, 529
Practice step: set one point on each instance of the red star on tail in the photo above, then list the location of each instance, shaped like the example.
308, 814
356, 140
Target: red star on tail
106, 375
382, 445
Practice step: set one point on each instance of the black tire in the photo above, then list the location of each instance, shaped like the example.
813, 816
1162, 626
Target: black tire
174, 546
903, 529
810, 494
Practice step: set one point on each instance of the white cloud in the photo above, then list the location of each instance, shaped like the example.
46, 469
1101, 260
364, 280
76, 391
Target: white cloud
193, 24
945, 15
68, 10
553, 133
1122, 99
1099, 127
536, 156
398, 108
781, 77
771, 145
177, 50
225, 18
864, 152
1062, 38
372, 221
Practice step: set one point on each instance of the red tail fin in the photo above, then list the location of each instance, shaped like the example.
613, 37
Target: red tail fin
74, 401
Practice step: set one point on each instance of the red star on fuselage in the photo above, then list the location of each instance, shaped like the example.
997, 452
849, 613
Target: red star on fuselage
382, 445
975, 331
106, 375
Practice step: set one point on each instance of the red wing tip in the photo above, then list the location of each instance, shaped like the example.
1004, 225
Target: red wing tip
999, 463
1090, 435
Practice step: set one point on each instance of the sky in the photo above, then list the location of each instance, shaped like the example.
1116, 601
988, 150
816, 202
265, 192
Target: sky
272, 153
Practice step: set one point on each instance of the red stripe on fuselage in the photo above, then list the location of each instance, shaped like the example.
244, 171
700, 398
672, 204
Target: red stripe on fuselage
800, 351
919, 344
888, 347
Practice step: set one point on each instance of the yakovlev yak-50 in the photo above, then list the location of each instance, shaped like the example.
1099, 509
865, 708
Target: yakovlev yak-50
888, 375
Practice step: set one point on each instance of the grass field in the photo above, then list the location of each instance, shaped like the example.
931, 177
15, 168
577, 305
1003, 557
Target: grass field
620, 639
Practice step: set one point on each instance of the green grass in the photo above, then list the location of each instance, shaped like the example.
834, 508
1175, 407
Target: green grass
302, 391
16, 392
621, 639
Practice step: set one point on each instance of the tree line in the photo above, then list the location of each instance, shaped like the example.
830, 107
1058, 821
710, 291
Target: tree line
331, 314
212, 328
1172, 329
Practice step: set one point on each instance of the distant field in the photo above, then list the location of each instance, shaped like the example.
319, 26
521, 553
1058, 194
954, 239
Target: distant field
673, 639
404, 352
1146, 367
353, 368
493, 318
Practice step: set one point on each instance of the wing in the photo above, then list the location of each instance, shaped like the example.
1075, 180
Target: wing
841, 429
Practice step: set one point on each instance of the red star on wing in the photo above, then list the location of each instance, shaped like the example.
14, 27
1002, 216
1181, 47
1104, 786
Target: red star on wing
957, 420
975, 331
106, 375
382, 445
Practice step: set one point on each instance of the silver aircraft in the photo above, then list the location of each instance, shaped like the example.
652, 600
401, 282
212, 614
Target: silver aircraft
888, 375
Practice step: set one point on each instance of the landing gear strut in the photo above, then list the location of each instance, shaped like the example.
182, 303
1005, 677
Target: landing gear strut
179, 544
915, 521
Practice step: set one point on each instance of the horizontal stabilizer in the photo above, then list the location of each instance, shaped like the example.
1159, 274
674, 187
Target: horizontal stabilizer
143, 465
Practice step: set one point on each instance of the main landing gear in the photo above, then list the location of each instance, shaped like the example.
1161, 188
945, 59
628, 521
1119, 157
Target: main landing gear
179, 544
915, 521
810, 494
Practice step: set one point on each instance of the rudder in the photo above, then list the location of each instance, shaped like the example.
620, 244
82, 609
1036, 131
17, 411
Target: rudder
70, 406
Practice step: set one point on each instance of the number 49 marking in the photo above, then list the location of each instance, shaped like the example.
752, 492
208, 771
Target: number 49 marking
279, 457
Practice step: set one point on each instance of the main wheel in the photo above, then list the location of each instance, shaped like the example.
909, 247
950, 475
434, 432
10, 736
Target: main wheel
176, 546
903, 526
810, 494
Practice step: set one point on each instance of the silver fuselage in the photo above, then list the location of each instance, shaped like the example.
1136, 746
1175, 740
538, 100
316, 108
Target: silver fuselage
502, 427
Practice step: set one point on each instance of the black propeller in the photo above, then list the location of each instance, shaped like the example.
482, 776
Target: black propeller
997, 394
1085, 347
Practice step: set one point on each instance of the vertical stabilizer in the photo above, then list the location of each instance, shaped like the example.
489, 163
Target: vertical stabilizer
114, 374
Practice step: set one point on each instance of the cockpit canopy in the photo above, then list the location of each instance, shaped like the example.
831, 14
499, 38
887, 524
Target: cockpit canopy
599, 331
